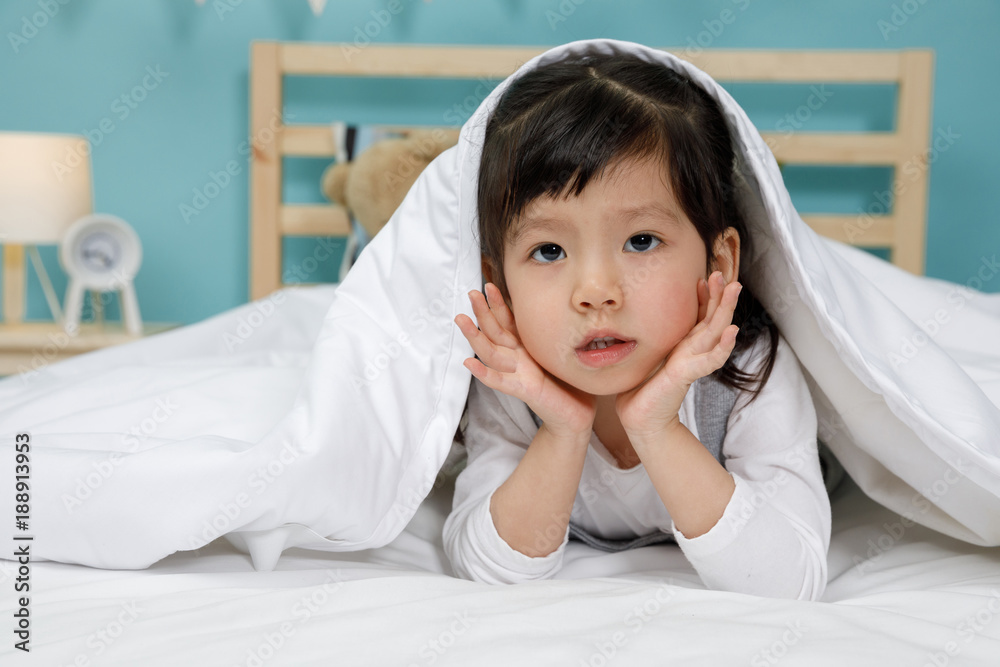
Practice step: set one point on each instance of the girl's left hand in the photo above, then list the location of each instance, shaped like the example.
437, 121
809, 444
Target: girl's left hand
651, 408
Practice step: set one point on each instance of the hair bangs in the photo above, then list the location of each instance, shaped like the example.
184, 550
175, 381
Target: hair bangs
572, 137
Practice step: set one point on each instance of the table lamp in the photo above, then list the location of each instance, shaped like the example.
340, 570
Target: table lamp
45, 186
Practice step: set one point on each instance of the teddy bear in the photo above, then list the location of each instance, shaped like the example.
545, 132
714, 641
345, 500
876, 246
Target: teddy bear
372, 186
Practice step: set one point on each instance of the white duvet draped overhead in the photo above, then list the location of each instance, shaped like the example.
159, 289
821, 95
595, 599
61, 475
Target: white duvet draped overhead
320, 417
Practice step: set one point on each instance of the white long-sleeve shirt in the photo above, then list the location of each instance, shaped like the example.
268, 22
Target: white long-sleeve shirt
772, 540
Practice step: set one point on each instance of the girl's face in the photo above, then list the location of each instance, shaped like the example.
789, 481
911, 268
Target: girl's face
619, 261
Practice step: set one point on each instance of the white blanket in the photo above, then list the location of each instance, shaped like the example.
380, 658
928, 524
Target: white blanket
279, 426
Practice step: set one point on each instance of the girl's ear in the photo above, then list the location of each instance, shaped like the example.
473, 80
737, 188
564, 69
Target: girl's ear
726, 254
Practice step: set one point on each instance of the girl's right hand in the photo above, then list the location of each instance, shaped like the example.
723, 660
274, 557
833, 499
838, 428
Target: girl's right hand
505, 365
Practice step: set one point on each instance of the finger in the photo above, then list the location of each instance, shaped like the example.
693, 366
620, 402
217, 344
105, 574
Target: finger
492, 355
489, 323
724, 300
715, 358
716, 285
707, 335
726, 309
503, 382
708, 299
482, 372
702, 298
720, 353
499, 307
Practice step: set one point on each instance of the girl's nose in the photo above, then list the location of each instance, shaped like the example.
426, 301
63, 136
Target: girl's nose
598, 289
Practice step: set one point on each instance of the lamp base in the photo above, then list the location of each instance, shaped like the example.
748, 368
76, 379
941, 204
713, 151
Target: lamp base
74, 308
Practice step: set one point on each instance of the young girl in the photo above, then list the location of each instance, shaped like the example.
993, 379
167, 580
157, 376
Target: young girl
627, 389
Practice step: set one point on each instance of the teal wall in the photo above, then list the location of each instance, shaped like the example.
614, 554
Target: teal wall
69, 75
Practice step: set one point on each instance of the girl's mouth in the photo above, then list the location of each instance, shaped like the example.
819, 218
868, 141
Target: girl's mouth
605, 351
601, 343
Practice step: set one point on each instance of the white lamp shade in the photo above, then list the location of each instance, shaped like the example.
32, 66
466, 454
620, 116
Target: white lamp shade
45, 186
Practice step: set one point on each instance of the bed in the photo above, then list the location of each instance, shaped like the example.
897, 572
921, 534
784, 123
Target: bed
898, 592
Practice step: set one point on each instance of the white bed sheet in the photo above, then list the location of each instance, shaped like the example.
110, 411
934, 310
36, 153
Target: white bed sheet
922, 595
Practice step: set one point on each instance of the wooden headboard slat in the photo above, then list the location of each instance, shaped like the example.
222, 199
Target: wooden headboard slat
317, 140
314, 220
902, 229
869, 148
308, 141
910, 185
452, 62
869, 231
797, 66
265, 169
461, 62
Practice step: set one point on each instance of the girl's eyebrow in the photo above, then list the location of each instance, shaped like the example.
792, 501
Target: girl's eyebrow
533, 223
540, 223
655, 209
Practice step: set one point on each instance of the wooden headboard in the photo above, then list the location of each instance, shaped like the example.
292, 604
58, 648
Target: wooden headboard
902, 230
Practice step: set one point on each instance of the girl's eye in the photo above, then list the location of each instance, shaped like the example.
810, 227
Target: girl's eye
642, 243
548, 252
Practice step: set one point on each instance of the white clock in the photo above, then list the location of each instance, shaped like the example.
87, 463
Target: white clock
101, 252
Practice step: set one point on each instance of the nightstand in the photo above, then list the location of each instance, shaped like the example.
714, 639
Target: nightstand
27, 346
